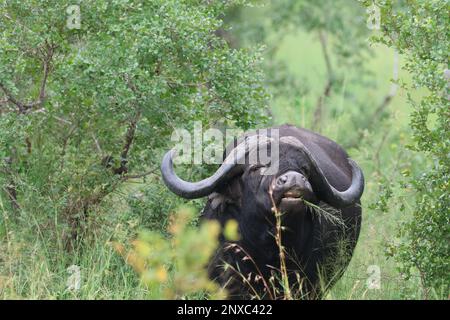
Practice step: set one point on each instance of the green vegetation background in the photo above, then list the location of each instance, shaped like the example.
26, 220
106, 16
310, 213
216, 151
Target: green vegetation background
34, 259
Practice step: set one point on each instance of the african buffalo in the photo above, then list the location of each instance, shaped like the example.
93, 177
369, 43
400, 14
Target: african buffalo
317, 190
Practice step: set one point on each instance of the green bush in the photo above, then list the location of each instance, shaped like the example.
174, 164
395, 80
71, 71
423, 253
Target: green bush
176, 268
86, 111
82, 111
85, 115
420, 31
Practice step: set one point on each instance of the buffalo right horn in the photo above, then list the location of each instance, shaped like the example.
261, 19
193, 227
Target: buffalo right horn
328, 193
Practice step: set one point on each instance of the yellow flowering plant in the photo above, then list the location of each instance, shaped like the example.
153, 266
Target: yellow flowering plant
175, 268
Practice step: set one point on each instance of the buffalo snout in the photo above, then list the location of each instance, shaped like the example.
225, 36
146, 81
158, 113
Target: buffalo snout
292, 187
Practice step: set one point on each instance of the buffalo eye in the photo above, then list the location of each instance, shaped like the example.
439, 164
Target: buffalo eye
305, 172
255, 167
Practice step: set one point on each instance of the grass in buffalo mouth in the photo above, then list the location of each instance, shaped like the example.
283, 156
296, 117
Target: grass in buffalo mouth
325, 211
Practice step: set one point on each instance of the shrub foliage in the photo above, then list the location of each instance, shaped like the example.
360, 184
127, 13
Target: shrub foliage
420, 31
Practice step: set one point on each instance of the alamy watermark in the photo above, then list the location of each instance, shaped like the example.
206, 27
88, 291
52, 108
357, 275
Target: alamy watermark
374, 17
207, 147
73, 17
74, 280
374, 279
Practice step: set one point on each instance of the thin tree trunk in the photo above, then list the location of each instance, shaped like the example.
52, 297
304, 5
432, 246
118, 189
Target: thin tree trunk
387, 99
393, 91
318, 112
11, 188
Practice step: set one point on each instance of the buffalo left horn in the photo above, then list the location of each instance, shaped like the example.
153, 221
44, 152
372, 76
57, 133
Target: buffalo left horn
231, 166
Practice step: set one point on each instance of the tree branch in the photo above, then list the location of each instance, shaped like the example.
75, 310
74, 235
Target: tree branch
11, 187
46, 56
327, 90
64, 147
97, 144
11, 192
131, 131
376, 115
392, 92
10, 98
326, 56
129, 137
138, 176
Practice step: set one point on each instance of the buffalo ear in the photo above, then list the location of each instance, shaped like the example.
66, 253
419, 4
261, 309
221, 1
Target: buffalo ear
228, 194
216, 200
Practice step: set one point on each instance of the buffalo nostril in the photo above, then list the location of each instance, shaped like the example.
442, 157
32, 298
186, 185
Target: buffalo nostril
282, 180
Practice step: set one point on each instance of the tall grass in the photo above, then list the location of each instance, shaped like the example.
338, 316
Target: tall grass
33, 261
33, 265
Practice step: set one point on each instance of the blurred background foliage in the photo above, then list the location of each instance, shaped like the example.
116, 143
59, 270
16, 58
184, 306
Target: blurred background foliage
86, 114
420, 31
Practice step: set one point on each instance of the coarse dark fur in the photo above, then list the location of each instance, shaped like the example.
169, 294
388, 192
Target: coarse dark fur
318, 249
